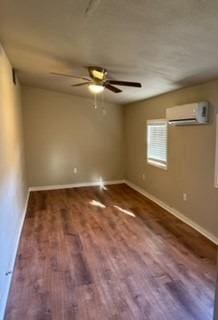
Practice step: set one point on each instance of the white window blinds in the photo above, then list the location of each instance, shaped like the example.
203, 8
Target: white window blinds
157, 142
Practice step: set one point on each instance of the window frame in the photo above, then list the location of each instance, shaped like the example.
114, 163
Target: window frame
157, 163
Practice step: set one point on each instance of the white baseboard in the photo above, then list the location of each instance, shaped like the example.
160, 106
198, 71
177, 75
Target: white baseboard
175, 212
75, 185
12, 263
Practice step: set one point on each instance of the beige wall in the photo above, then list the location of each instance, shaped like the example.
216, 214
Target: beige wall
12, 182
191, 156
63, 132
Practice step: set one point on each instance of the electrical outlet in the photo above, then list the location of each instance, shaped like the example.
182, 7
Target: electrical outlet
75, 170
185, 196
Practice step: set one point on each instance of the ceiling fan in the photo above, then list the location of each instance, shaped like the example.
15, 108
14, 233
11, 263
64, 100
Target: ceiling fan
98, 80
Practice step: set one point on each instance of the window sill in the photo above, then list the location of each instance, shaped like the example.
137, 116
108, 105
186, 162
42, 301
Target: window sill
157, 164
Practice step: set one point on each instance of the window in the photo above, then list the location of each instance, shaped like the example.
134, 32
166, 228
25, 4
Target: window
157, 143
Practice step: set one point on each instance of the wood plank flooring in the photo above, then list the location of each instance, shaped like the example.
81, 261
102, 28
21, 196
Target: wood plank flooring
91, 254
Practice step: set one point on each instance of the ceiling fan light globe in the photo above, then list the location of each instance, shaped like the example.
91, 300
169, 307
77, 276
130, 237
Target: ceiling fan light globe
96, 88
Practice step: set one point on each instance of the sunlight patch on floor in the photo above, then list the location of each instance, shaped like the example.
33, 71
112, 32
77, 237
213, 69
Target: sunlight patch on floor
125, 211
97, 204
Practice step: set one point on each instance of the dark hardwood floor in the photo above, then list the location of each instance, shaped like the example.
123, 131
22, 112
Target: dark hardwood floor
91, 254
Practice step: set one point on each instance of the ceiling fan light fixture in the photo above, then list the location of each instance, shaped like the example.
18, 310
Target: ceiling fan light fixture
96, 88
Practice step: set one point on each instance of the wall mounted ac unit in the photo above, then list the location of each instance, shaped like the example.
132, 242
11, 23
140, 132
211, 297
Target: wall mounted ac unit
188, 114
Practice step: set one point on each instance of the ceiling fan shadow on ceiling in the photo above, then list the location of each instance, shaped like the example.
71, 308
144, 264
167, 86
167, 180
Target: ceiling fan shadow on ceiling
98, 80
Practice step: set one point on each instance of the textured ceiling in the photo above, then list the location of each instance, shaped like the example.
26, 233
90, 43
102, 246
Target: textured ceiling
164, 44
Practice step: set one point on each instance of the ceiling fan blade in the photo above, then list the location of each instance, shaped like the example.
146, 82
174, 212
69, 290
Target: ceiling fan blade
125, 83
68, 75
80, 84
112, 88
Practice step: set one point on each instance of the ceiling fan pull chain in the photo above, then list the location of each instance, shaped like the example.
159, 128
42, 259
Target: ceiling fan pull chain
103, 105
95, 101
